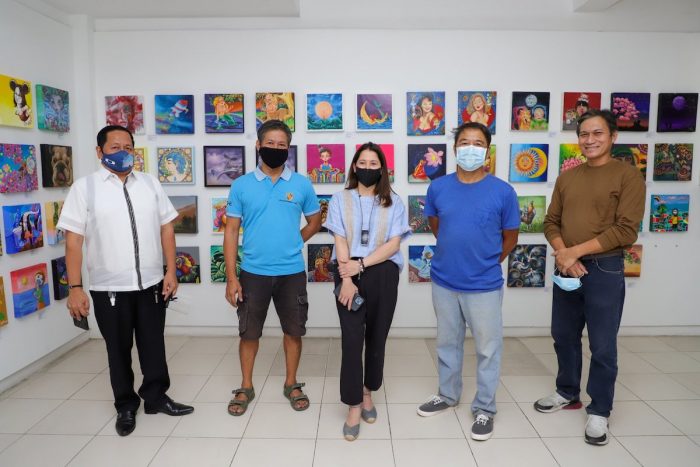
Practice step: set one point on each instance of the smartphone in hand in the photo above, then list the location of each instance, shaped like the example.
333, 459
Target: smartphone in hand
357, 299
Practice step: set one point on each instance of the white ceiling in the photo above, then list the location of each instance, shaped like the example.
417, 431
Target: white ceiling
545, 15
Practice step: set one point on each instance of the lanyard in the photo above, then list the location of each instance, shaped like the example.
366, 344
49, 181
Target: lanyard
364, 235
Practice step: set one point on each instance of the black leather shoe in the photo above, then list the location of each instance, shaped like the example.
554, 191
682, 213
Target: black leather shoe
126, 422
170, 407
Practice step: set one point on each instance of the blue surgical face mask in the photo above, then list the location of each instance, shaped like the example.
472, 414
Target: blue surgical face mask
567, 284
120, 162
471, 158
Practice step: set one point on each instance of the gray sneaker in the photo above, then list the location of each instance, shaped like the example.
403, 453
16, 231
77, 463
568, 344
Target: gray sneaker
596, 430
482, 428
555, 402
433, 406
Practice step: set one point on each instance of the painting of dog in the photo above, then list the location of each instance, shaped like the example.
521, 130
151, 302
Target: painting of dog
56, 166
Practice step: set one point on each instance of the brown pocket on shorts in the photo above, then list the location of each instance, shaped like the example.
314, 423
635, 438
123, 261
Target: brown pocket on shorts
242, 312
303, 302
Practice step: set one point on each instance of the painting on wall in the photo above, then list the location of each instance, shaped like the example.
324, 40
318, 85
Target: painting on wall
218, 214
56, 166
532, 211
388, 150
174, 114
54, 236
677, 112
16, 102
291, 162
126, 111
223, 113
530, 111
570, 156
416, 215
673, 162
426, 162
52, 108
374, 112
324, 112
528, 162
669, 213
575, 105
419, 259
59, 275
218, 263
323, 201
3, 304
223, 164
325, 163
526, 266
425, 113
141, 159
631, 110
18, 168
23, 227
319, 262
477, 106
633, 260
635, 154
187, 265
490, 162
175, 165
186, 207
30, 289
274, 106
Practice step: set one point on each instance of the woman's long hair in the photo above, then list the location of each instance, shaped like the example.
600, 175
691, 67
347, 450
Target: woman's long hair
383, 187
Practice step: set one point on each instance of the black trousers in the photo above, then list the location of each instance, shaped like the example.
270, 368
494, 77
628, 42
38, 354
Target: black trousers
139, 313
368, 326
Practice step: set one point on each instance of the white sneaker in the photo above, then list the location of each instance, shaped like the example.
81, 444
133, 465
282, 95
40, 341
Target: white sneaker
597, 430
555, 402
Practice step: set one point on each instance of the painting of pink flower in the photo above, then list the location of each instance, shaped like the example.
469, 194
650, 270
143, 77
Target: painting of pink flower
433, 158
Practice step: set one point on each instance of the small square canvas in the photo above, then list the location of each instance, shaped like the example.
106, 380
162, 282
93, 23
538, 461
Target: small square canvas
575, 105
490, 162
319, 262
323, 201
631, 110
54, 236
425, 113
635, 154
56, 166
426, 162
175, 165
324, 112
141, 159
528, 162
274, 106
174, 114
223, 113
570, 156
325, 163
416, 217
673, 162
526, 266
23, 227
532, 211
52, 108
59, 274
187, 265
3, 304
374, 112
30, 289
218, 215
388, 150
291, 162
677, 112
633, 260
126, 111
477, 106
530, 111
186, 207
18, 168
223, 164
218, 263
16, 102
669, 213
419, 259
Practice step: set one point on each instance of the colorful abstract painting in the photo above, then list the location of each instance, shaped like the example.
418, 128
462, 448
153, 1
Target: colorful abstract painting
18, 168
175, 165
52, 108
54, 236
425, 113
374, 112
528, 162
426, 162
16, 102
174, 114
673, 162
325, 163
23, 227
59, 274
419, 259
186, 207
570, 156
669, 213
126, 111
532, 211
56, 166
291, 162
141, 159
324, 112
3, 304
218, 263
416, 215
187, 265
635, 154
30, 289
223, 164
575, 105
319, 262
631, 110
274, 106
530, 111
526, 266
633, 260
218, 215
477, 106
323, 201
388, 150
223, 113
677, 112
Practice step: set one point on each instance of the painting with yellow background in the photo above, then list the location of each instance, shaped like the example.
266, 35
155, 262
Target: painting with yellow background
16, 102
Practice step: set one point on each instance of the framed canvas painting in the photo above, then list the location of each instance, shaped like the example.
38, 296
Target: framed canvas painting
16, 107
23, 227
52, 108
416, 216
530, 111
56, 166
126, 111
532, 211
274, 106
669, 213
218, 263
633, 260
325, 163
141, 159
324, 112
374, 112
477, 106
174, 114
186, 220
425, 113
223, 164
528, 162
223, 113
323, 201
570, 156
54, 236
18, 168
575, 105
426, 162
30, 289
3, 304
635, 154
187, 265
319, 259
419, 259
175, 165
673, 162
677, 112
59, 275
631, 110
526, 266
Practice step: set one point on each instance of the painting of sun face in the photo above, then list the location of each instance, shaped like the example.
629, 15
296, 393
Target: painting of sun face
528, 162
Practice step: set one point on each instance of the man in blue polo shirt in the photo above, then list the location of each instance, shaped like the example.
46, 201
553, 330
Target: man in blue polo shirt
269, 203
475, 218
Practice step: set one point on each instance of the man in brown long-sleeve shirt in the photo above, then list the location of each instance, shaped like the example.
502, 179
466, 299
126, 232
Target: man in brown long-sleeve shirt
595, 212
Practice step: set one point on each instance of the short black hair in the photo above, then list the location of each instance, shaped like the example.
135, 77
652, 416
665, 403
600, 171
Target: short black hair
272, 125
472, 125
605, 114
102, 134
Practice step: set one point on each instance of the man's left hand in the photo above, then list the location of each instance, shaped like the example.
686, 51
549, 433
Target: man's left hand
564, 259
170, 285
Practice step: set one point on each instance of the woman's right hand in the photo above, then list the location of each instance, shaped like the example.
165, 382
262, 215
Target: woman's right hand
347, 292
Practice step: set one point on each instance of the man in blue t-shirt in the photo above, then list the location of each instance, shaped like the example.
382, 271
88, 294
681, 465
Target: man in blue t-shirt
475, 218
268, 203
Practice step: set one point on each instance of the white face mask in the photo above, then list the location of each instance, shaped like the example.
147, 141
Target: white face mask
471, 158
567, 284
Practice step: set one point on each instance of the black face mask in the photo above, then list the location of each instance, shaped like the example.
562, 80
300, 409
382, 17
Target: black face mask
368, 177
273, 157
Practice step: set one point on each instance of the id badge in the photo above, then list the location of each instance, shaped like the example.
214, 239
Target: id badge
364, 238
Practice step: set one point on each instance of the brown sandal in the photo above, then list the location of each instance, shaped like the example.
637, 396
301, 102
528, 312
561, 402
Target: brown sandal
243, 404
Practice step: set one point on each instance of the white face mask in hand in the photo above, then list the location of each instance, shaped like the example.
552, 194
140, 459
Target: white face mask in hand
567, 284
471, 158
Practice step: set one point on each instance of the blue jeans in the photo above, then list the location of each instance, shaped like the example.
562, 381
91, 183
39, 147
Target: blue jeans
598, 305
482, 313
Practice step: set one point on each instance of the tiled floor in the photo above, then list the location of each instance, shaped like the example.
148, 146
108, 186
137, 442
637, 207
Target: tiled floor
64, 415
